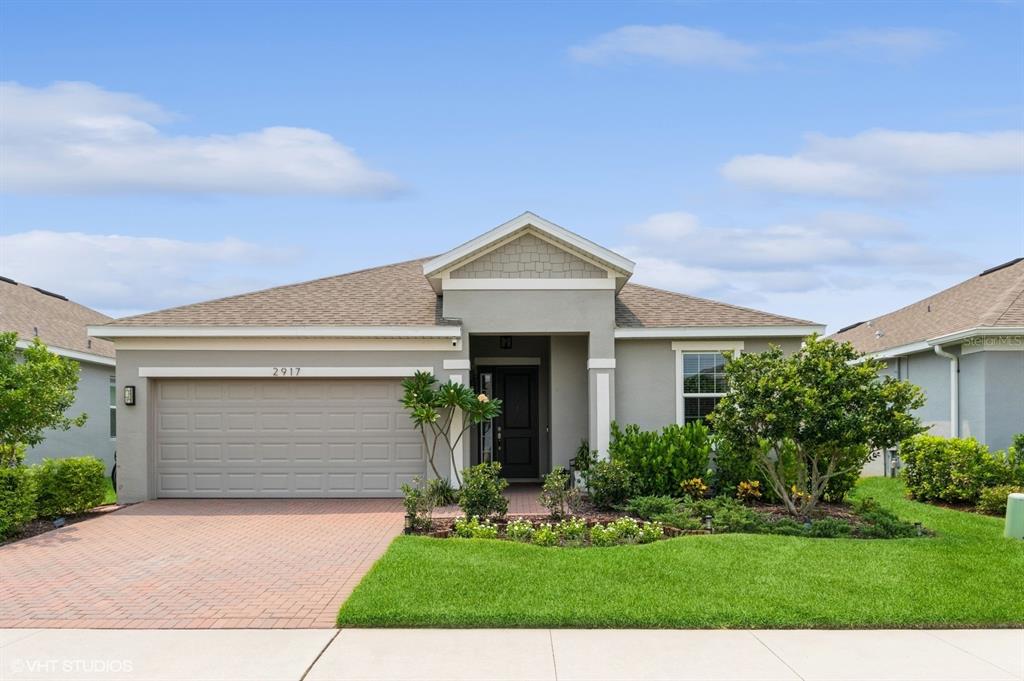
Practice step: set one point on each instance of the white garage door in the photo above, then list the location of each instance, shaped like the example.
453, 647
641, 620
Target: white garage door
283, 438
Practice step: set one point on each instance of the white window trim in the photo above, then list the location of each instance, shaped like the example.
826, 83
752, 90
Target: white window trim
680, 347
511, 284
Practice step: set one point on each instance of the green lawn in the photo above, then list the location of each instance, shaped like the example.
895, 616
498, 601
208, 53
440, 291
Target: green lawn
111, 496
967, 575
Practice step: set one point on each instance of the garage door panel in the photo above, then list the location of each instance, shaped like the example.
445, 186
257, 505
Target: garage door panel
338, 437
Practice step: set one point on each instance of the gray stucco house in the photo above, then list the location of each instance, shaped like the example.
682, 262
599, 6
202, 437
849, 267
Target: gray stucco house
965, 347
61, 324
293, 391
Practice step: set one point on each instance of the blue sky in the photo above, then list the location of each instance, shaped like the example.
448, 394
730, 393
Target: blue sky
829, 161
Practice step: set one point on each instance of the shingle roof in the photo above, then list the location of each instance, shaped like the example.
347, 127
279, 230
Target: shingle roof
59, 322
641, 306
391, 295
399, 295
993, 298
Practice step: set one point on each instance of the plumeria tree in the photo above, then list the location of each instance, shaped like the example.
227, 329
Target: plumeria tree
37, 388
432, 406
813, 415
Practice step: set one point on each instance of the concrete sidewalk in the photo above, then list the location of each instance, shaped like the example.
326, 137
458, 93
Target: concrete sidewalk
422, 654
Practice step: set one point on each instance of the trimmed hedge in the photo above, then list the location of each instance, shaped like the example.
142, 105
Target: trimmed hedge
662, 461
993, 499
17, 499
69, 486
951, 469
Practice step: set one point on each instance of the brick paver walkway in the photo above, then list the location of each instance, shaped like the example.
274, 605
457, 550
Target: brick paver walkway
198, 564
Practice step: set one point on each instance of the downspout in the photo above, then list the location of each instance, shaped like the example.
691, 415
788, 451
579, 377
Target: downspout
954, 390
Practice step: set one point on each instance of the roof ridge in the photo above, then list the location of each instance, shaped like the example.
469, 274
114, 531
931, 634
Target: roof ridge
724, 304
1003, 302
276, 288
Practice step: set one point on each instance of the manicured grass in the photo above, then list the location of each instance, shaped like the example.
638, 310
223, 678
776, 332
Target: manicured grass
111, 496
967, 575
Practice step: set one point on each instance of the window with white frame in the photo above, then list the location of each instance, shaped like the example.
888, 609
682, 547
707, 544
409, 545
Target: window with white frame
113, 407
703, 383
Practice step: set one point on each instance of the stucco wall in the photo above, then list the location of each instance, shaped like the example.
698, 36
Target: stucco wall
529, 257
645, 381
537, 312
93, 439
569, 412
1004, 396
931, 373
135, 444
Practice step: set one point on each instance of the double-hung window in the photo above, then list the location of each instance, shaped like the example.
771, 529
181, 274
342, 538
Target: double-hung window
700, 377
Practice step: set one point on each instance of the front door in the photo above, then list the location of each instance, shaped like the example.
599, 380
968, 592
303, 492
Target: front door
516, 432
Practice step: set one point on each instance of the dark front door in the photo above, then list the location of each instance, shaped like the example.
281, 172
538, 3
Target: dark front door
516, 431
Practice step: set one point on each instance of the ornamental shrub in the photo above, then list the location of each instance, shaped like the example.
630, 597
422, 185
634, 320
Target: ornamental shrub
482, 487
571, 530
519, 529
557, 495
882, 523
418, 502
662, 460
694, 488
441, 492
728, 515
69, 486
734, 464
17, 499
649, 506
603, 535
610, 483
678, 520
545, 535
748, 491
472, 528
950, 469
650, 532
992, 500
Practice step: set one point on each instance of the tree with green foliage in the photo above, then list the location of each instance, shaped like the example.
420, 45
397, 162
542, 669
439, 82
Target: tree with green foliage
433, 408
36, 390
813, 416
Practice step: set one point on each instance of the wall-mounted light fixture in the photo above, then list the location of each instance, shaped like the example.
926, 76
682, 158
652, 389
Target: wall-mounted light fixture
129, 395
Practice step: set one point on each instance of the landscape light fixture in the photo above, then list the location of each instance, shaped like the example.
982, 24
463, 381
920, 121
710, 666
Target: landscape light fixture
707, 522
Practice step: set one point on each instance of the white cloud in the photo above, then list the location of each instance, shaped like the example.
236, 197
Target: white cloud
690, 46
666, 226
799, 268
887, 43
80, 138
674, 44
878, 162
126, 274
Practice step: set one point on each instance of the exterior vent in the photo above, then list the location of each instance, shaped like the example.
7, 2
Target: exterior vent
49, 293
990, 270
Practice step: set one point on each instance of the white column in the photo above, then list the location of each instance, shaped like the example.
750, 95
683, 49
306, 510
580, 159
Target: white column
601, 403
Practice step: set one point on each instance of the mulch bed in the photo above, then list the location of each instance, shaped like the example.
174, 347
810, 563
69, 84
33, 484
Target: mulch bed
41, 526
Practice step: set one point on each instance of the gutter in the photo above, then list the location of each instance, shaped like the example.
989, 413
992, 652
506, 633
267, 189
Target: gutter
954, 390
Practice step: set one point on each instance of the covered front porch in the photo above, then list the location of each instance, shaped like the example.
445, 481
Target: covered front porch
550, 401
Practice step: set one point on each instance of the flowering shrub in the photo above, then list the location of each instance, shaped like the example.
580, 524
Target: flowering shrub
650, 532
557, 495
571, 529
694, 487
545, 535
627, 528
748, 490
519, 529
603, 535
472, 528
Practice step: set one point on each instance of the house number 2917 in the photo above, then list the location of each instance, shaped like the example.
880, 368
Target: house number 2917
287, 371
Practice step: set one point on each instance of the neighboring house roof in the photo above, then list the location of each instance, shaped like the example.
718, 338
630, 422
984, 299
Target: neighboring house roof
59, 322
992, 300
400, 295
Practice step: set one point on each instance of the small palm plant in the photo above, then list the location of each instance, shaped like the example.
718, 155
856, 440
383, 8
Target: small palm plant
432, 408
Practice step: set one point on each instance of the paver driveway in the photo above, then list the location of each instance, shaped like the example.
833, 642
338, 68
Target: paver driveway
197, 563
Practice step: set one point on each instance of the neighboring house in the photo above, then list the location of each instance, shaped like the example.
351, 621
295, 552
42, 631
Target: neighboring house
61, 324
294, 391
965, 348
